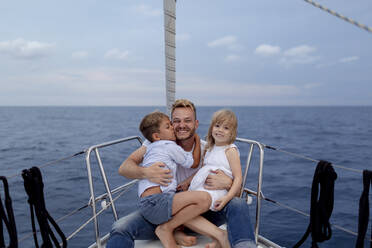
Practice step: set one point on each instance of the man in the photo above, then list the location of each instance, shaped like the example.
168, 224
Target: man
135, 227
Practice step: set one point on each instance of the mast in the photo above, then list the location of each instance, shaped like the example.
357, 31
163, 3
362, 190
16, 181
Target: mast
170, 51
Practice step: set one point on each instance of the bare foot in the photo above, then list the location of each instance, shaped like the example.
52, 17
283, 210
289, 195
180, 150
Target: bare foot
214, 244
166, 237
183, 239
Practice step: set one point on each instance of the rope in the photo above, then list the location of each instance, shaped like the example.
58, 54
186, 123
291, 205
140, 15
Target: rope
301, 212
320, 209
97, 214
311, 159
50, 163
7, 218
349, 20
34, 186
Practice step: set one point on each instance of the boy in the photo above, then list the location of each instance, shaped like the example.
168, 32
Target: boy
160, 204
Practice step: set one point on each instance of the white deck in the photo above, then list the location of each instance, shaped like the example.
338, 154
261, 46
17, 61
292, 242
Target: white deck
201, 242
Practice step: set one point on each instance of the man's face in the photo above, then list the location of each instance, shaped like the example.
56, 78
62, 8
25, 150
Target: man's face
184, 123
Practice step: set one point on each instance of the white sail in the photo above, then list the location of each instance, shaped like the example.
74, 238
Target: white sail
170, 51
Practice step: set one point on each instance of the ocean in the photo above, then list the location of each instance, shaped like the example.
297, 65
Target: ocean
33, 136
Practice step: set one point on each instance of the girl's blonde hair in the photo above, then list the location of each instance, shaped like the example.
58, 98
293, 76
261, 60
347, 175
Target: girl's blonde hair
223, 116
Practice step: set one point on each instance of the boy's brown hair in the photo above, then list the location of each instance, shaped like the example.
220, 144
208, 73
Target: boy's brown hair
183, 103
150, 124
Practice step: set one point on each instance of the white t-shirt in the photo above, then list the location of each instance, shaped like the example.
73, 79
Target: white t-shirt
172, 155
182, 172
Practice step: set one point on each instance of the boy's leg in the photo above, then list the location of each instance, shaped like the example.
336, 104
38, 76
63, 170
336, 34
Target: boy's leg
186, 205
129, 228
201, 225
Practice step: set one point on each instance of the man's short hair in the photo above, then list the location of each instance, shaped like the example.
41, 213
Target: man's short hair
183, 103
150, 124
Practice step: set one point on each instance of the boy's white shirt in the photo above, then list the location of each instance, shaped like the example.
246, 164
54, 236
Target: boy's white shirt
174, 157
182, 172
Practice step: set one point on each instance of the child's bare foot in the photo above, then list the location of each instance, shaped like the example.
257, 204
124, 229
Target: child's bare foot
166, 237
214, 244
183, 239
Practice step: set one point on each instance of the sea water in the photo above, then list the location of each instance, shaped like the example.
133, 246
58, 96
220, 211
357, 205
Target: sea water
34, 136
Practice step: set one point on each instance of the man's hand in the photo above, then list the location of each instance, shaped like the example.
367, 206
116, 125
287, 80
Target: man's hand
157, 173
217, 180
221, 203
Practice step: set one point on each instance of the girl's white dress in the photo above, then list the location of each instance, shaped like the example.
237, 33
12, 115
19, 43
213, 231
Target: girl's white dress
215, 159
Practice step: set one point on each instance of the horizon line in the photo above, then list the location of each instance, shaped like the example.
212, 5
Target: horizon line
202, 105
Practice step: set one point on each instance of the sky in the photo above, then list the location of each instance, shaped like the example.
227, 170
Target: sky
236, 52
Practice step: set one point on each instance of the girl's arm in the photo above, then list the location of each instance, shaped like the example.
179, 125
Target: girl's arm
232, 155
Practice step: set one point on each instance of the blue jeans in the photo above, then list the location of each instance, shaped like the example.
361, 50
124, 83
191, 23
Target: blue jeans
235, 214
157, 208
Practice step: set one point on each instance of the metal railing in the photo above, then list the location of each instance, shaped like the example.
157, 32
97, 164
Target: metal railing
252, 144
108, 194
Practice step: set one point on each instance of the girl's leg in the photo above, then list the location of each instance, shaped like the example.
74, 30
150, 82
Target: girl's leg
201, 225
186, 205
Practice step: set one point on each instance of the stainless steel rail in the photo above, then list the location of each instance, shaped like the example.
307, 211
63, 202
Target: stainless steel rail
93, 199
261, 147
108, 194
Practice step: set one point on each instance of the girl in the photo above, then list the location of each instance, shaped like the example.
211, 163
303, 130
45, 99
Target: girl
219, 154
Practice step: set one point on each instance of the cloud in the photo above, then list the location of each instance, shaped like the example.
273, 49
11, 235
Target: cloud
302, 54
267, 50
116, 54
23, 49
232, 58
147, 10
349, 59
93, 86
211, 88
79, 55
229, 42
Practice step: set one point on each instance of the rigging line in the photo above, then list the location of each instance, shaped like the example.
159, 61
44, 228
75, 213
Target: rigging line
49, 163
73, 212
102, 197
349, 20
58, 220
305, 214
311, 159
99, 212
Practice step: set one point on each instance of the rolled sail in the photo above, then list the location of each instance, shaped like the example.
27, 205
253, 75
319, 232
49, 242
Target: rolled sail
170, 51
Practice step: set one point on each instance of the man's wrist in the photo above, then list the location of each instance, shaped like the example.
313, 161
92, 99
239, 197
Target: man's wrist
144, 172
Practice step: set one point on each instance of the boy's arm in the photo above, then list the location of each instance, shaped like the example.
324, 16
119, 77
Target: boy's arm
197, 151
155, 173
180, 156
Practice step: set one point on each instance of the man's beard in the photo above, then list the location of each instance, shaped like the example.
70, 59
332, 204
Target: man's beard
191, 134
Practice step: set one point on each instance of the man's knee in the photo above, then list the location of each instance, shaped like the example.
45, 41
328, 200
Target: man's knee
237, 204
